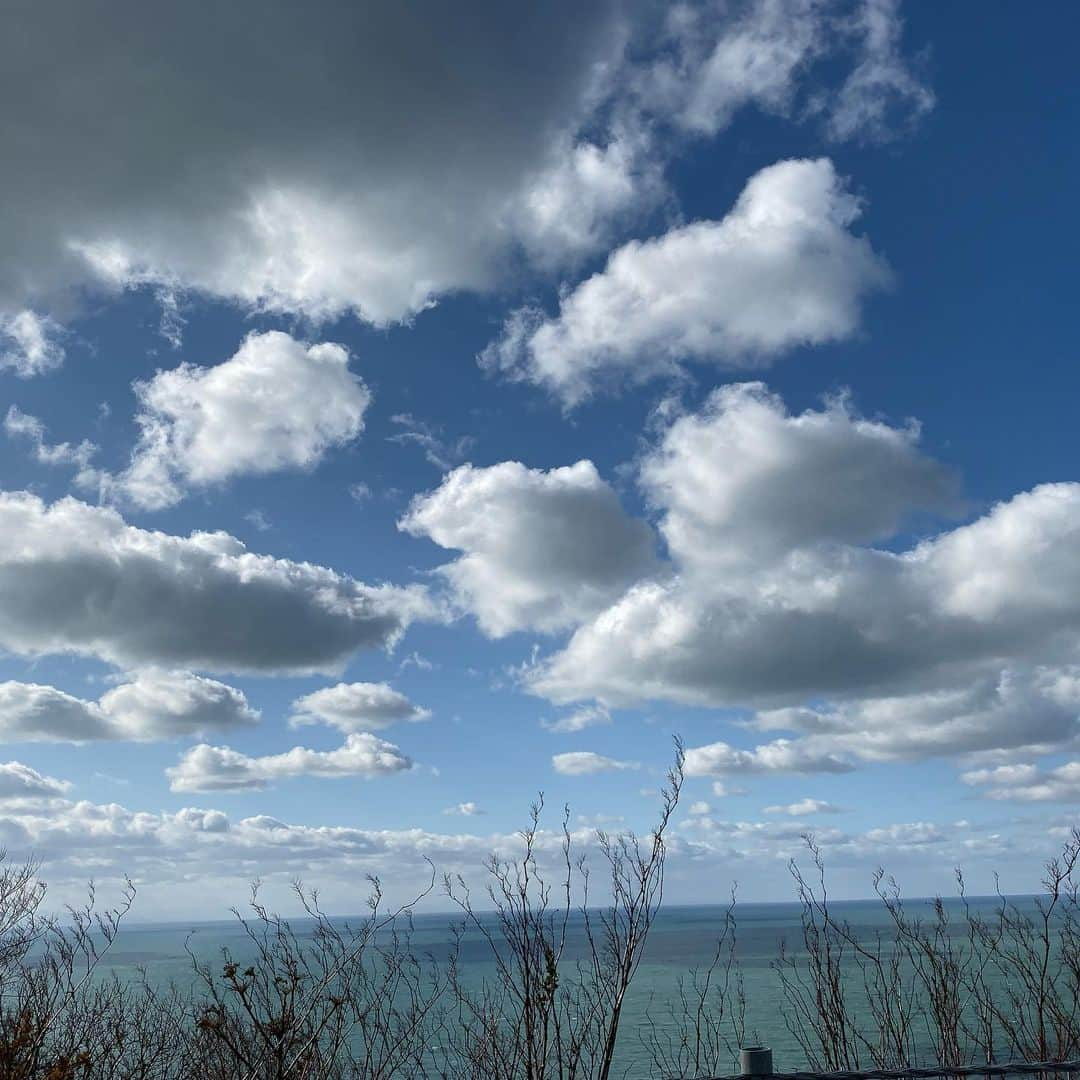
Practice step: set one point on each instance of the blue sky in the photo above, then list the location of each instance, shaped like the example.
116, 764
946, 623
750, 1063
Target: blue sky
701, 371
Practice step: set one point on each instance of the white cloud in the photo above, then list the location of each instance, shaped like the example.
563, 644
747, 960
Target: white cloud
258, 520
153, 705
804, 807
723, 790
574, 207
76, 579
185, 859
757, 61
208, 857
30, 343
782, 269
1027, 783
881, 87
219, 768
907, 834
171, 322
586, 763
699, 808
781, 755
765, 57
579, 720
776, 595
352, 707
464, 809
277, 404
18, 781
601, 822
414, 659
541, 549
20, 425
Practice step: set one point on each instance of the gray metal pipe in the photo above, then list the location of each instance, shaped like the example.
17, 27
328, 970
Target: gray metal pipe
755, 1061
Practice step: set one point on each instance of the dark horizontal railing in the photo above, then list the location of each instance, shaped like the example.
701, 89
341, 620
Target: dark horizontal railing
932, 1072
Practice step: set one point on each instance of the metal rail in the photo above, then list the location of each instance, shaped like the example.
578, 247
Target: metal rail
1011, 1068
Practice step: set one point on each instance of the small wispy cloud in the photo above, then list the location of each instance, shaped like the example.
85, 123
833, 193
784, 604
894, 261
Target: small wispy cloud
20, 425
586, 717
259, 520
443, 453
804, 807
586, 763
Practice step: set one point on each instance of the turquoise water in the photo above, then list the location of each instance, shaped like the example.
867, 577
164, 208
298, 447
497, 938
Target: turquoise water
682, 938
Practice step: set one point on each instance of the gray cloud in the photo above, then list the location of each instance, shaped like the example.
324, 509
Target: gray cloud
358, 180
153, 705
742, 482
776, 593
541, 549
18, 781
76, 578
1031, 711
408, 152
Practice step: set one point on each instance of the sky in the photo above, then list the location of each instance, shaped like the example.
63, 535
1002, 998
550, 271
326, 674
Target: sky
413, 409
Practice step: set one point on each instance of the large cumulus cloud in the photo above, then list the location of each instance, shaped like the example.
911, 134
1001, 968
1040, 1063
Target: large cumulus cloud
797, 590
374, 157
777, 594
337, 157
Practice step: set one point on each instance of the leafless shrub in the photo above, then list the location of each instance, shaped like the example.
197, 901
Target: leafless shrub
52, 1016
700, 1030
819, 1014
339, 1000
952, 989
959, 984
541, 1016
1034, 955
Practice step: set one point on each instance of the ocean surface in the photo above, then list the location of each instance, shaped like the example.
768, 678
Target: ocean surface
682, 938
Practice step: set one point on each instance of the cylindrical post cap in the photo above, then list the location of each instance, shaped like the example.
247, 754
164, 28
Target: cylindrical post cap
755, 1061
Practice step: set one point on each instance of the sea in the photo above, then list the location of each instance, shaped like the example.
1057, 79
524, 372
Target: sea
682, 938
